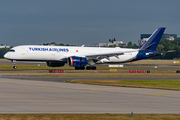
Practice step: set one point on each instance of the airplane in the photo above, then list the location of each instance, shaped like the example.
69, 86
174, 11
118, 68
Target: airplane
84, 57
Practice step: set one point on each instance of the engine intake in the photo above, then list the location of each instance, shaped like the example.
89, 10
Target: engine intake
77, 61
55, 64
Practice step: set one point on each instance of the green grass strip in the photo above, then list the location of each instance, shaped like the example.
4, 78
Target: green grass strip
154, 84
89, 117
66, 67
104, 75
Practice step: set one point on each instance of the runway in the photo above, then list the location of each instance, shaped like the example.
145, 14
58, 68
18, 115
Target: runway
31, 95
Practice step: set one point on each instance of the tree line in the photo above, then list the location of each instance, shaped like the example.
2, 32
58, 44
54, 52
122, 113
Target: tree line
163, 46
55, 44
3, 51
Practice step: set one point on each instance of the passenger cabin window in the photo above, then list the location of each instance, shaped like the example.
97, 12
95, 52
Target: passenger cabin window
11, 50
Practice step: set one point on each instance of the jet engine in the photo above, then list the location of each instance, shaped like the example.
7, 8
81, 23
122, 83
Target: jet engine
55, 64
76, 61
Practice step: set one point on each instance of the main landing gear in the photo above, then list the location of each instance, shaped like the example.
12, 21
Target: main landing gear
87, 68
80, 68
91, 68
14, 64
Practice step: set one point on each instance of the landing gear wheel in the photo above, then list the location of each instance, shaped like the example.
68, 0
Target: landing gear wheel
88, 68
14, 61
14, 67
80, 68
91, 68
76, 68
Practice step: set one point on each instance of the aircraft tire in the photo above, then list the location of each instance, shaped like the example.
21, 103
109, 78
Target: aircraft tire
91, 68
14, 67
76, 68
88, 68
83, 68
80, 68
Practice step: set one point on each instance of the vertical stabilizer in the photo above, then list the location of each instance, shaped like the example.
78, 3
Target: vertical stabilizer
153, 41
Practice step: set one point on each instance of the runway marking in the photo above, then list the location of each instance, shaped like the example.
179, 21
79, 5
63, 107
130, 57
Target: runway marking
8, 82
162, 95
47, 86
96, 90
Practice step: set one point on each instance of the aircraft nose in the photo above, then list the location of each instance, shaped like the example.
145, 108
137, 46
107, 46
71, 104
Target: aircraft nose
6, 55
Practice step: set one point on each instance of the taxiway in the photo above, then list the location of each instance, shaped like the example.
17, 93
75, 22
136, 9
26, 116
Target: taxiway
31, 95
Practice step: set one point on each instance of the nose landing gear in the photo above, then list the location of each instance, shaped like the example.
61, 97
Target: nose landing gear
14, 67
14, 61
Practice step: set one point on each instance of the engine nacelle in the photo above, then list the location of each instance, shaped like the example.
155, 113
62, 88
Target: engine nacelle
55, 64
77, 61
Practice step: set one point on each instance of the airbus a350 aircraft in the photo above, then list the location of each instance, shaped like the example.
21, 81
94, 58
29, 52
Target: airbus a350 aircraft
79, 57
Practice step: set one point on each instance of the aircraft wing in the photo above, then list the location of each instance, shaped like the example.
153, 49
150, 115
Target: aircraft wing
100, 56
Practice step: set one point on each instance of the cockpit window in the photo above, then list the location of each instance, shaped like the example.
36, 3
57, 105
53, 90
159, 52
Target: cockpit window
11, 50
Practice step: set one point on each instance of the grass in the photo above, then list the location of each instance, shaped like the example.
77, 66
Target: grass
28, 71
118, 71
89, 117
83, 71
101, 75
21, 66
141, 62
4, 60
30, 67
154, 84
155, 62
66, 67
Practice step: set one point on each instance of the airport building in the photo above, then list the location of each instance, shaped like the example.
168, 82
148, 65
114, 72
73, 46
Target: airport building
4, 46
115, 43
144, 37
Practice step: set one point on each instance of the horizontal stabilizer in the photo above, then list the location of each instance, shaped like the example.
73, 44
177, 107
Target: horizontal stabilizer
160, 53
168, 51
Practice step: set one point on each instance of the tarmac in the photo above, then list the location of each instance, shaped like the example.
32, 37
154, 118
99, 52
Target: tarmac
52, 95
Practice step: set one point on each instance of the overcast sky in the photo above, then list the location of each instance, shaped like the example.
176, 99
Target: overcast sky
84, 21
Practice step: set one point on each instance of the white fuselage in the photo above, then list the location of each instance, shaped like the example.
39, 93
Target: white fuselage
60, 53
